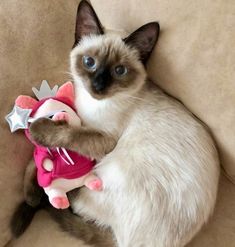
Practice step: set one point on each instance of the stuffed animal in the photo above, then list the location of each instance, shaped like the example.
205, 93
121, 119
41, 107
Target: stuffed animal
58, 170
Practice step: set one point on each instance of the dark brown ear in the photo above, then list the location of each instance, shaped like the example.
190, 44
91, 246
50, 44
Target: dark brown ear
87, 22
144, 39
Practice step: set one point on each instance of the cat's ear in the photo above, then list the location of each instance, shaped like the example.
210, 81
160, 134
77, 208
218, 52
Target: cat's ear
25, 102
87, 22
144, 39
66, 91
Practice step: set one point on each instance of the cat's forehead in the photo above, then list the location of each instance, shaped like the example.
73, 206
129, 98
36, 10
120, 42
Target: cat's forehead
105, 46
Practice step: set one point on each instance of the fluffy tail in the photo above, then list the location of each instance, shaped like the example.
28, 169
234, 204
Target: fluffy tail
77, 227
68, 222
23, 216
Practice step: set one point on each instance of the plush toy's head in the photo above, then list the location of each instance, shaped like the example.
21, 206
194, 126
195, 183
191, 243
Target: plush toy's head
51, 101
63, 101
63, 97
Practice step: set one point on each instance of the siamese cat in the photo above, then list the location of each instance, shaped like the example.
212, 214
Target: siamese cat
158, 163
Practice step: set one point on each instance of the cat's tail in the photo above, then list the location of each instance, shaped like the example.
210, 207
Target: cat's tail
24, 215
22, 218
73, 224
89, 232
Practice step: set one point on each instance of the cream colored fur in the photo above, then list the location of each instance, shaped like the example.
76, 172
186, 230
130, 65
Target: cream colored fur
160, 182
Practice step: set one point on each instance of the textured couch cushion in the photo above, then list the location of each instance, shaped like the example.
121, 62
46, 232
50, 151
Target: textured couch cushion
35, 41
193, 61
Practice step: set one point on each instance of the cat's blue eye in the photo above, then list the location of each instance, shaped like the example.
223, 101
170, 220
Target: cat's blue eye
89, 62
120, 70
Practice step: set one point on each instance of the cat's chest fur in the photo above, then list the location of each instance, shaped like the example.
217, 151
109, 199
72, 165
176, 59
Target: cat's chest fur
99, 114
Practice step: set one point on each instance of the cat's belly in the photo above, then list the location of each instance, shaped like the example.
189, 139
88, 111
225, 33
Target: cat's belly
161, 177
100, 205
149, 193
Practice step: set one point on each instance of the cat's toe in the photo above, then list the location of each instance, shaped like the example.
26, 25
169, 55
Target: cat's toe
38, 129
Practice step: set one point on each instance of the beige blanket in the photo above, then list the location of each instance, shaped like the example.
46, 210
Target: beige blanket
194, 61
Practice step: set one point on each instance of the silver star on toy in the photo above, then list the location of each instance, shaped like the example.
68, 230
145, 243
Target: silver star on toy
18, 118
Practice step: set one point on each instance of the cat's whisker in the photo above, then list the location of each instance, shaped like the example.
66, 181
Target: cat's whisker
68, 73
136, 98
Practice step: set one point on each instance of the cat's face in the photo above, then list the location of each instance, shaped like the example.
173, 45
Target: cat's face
106, 65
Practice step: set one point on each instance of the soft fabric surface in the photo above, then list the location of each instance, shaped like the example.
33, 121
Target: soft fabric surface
194, 61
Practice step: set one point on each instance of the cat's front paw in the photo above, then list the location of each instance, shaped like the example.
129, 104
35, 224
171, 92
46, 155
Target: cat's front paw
49, 133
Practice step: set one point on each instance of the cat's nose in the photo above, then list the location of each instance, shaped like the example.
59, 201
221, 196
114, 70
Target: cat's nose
101, 79
98, 84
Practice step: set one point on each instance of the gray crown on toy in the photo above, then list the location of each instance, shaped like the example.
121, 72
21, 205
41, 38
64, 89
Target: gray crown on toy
45, 91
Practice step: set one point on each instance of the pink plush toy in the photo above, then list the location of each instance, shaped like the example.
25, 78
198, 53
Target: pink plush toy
59, 170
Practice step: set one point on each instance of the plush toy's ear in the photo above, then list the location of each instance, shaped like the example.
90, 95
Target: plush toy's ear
25, 102
66, 91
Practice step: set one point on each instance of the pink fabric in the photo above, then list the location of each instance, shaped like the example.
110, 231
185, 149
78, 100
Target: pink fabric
66, 90
25, 102
61, 99
61, 169
82, 165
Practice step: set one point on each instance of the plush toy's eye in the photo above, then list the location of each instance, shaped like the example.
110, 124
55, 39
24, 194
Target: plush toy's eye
89, 62
120, 70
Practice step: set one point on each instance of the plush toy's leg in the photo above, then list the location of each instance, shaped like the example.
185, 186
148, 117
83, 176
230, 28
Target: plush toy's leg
56, 191
57, 198
72, 119
92, 182
60, 202
61, 116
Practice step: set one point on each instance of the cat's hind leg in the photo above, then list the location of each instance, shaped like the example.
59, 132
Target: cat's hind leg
33, 193
34, 200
